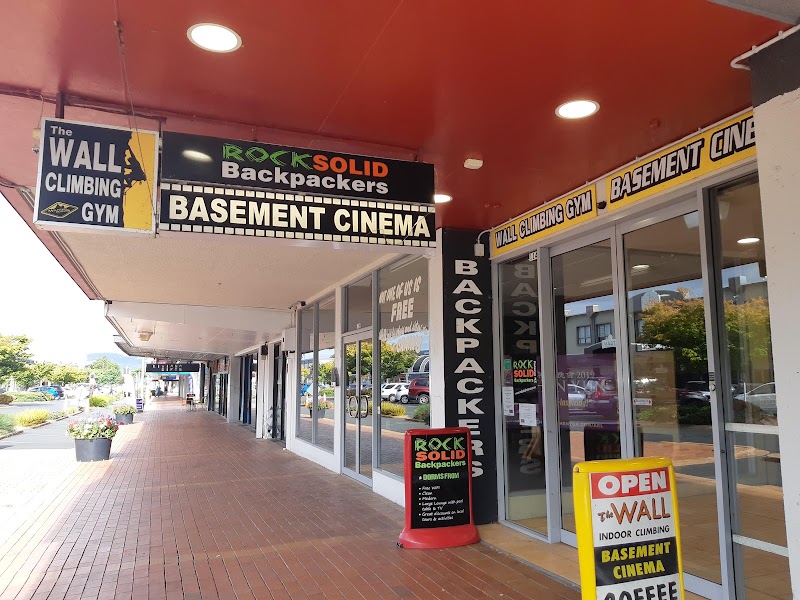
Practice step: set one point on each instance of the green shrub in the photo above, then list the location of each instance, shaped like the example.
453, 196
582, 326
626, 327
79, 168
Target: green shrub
423, 413
33, 416
123, 409
30, 397
56, 414
388, 409
101, 401
7, 424
6, 398
71, 410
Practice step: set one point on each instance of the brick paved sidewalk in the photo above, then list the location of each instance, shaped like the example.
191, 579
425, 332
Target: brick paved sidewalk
193, 507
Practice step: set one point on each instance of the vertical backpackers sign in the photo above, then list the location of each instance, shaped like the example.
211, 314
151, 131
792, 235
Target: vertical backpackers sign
96, 177
626, 517
468, 367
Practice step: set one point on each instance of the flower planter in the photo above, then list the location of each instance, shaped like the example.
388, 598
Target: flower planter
125, 419
92, 450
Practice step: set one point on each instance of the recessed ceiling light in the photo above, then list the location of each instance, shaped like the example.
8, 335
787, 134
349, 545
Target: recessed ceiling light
473, 163
196, 155
441, 198
749, 240
577, 109
215, 38
640, 267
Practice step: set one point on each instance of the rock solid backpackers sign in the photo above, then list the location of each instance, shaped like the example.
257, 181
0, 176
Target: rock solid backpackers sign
573, 209
96, 177
438, 489
717, 147
468, 360
626, 517
266, 214
239, 163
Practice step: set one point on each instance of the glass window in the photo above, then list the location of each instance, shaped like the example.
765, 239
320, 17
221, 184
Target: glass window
669, 375
305, 319
751, 410
604, 331
586, 381
522, 399
404, 351
326, 355
584, 335
359, 304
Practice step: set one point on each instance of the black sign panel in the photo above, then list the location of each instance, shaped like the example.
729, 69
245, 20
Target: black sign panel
262, 214
468, 381
172, 368
96, 176
635, 560
439, 479
239, 163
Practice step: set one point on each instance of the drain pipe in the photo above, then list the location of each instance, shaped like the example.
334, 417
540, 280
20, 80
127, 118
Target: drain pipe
740, 62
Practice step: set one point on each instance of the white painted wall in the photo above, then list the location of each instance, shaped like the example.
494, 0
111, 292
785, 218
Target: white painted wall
778, 130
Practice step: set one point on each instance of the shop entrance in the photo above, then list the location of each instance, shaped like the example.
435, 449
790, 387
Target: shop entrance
654, 340
275, 415
358, 418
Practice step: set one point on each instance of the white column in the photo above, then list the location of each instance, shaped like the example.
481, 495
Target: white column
436, 330
778, 139
262, 393
234, 387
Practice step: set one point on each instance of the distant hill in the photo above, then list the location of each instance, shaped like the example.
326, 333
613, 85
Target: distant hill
132, 362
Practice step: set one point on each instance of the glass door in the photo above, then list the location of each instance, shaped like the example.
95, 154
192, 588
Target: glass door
358, 459
586, 363
668, 373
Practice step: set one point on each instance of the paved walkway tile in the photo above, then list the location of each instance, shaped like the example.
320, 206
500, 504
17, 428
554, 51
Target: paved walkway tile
193, 507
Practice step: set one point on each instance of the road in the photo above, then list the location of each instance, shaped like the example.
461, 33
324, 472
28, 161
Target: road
52, 405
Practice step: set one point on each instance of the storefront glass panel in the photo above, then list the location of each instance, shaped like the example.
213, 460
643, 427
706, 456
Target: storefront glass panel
359, 304
325, 357
526, 490
358, 415
668, 362
405, 343
307, 373
749, 393
586, 376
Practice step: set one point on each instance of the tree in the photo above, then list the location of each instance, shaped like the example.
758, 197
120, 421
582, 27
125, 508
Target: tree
106, 371
34, 374
14, 355
66, 374
680, 325
325, 373
393, 362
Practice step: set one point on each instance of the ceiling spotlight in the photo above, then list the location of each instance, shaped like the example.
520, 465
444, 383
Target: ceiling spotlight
577, 109
473, 163
196, 155
441, 198
214, 38
748, 240
145, 335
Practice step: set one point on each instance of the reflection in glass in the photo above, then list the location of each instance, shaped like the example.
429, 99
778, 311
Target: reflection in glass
365, 409
358, 407
586, 383
526, 497
306, 392
351, 416
404, 351
751, 399
669, 375
326, 355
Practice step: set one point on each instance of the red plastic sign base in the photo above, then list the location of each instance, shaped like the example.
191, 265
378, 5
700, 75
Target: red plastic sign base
446, 537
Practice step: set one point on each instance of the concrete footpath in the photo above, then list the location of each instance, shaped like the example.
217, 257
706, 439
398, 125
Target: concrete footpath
192, 507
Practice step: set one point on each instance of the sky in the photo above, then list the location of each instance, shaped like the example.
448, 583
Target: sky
39, 299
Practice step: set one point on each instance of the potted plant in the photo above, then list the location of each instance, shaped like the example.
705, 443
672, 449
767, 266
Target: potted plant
124, 413
322, 406
92, 437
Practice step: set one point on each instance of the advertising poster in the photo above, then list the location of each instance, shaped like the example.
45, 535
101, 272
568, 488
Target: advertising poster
628, 529
96, 177
438, 489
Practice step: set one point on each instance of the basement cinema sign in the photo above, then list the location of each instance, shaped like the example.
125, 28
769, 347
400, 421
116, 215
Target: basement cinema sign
244, 188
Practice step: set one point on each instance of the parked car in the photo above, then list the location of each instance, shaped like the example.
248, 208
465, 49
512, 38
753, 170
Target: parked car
45, 389
393, 391
699, 387
576, 395
762, 396
601, 395
418, 391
